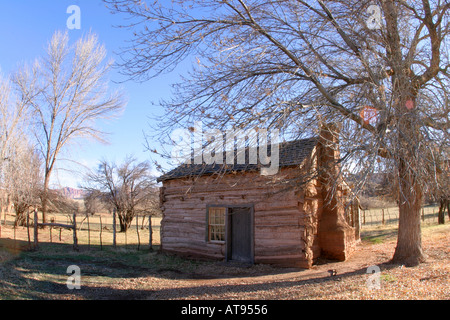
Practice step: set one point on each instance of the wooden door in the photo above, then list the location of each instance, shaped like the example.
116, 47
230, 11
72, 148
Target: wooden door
240, 234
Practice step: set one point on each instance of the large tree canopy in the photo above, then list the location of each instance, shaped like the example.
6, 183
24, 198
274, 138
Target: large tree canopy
378, 68
67, 94
128, 188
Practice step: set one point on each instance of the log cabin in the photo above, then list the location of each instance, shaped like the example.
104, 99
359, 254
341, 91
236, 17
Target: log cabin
290, 219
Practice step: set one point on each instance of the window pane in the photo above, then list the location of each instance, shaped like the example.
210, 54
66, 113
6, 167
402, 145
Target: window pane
221, 233
216, 226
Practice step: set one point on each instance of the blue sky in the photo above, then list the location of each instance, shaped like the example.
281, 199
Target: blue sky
26, 26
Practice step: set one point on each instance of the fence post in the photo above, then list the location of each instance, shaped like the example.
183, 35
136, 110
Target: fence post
114, 228
28, 228
382, 217
423, 215
15, 241
150, 233
35, 223
89, 232
137, 230
101, 227
75, 240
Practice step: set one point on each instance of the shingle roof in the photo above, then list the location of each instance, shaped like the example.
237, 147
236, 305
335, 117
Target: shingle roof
291, 153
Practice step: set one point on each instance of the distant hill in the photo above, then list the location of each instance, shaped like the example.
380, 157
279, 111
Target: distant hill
72, 193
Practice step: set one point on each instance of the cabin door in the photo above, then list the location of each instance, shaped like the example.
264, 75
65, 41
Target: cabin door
240, 234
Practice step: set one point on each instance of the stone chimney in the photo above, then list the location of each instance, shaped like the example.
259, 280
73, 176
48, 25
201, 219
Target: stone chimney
336, 237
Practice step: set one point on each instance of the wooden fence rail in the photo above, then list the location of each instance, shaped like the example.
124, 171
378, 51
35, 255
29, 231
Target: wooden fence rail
54, 225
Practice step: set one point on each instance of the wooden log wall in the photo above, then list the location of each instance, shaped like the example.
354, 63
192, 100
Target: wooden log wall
284, 220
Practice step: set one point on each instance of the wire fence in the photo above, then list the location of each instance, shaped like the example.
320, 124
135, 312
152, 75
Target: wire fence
90, 232
386, 216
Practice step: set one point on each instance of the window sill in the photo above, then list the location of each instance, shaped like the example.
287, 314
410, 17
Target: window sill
216, 242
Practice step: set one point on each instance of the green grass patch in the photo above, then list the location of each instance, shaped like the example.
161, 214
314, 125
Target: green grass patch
379, 234
388, 278
374, 240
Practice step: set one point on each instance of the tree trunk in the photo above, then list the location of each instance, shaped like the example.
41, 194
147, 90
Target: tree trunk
448, 207
21, 218
45, 197
7, 210
2, 210
441, 214
114, 228
125, 220
409, 241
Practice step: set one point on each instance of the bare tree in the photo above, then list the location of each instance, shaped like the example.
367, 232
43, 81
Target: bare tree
23, 180
128, 187
294, 64
13, 128
67, 92
13, 117
93, 202
441, 193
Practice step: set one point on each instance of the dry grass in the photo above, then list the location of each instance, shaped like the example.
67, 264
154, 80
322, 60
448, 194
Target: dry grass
389, 215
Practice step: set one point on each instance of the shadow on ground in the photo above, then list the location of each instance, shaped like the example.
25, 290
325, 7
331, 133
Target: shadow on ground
42, 274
